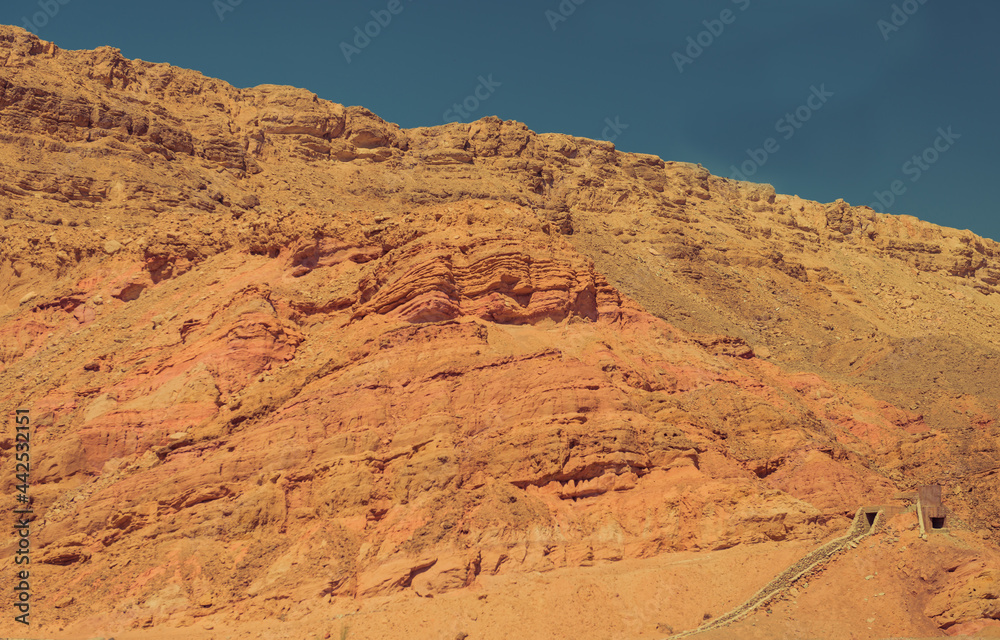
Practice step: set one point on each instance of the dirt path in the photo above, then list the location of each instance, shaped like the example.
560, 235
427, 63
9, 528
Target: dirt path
783, 581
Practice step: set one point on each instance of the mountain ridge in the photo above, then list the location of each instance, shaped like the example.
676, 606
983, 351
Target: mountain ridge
260, 332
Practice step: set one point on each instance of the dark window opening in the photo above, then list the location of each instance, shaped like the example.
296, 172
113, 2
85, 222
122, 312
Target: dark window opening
871, 517
937, 523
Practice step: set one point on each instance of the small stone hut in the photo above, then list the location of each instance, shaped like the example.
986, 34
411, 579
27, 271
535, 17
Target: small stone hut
926, 501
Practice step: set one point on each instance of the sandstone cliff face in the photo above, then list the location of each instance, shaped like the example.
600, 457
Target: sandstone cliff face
280, 354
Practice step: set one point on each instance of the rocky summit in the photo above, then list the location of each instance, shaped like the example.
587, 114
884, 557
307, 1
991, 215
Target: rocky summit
291, 371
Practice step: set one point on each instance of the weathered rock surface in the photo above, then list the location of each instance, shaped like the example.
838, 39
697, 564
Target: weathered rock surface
975, 598
283, 357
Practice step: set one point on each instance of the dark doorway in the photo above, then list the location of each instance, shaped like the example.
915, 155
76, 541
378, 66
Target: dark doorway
937, 523
871, 515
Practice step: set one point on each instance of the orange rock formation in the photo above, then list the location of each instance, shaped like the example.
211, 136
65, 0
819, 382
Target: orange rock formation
291, 366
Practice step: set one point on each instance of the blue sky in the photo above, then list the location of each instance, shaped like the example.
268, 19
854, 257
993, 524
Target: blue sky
853, 99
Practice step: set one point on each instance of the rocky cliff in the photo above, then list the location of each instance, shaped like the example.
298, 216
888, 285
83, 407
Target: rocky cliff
285, 361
